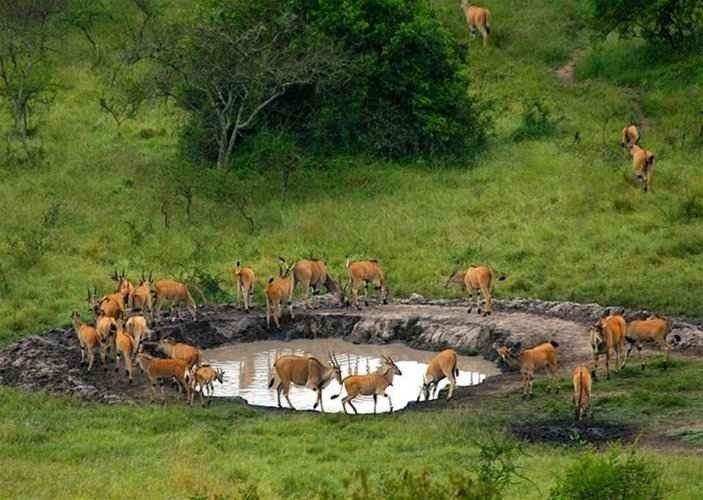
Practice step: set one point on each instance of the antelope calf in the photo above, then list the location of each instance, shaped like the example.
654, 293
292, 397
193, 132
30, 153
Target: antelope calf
529, 361
372, 384
653, 329
643, 162
140, 297
278, 291
478, 280
203, 379
244, 279
304, 371
175, 292
138, 328
89, 340
606, 335
581, 398
178, 350
313, 273
630, 136
478, 19
362, 273
126, 348
157, 369
106, 328
442, 366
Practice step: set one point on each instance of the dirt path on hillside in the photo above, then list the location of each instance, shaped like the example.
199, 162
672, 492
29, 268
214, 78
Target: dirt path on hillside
566, 72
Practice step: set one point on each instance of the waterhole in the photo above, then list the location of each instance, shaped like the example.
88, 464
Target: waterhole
248, 369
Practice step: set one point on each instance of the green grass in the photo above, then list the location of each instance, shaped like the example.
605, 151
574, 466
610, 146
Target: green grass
562, 218
88, 450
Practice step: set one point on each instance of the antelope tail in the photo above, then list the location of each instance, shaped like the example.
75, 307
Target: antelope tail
582, 388
272, 381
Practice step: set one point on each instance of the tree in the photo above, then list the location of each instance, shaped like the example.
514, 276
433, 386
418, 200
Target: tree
29, 31
679, 23
407, 94
233, 60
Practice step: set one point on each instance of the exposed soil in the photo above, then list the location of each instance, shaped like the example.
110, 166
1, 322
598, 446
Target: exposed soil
50, 361
566, 72
570, 433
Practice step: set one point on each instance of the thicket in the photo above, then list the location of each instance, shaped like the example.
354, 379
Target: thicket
377, 77
677, 23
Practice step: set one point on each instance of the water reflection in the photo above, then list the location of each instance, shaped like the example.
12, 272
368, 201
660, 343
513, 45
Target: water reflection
248, 369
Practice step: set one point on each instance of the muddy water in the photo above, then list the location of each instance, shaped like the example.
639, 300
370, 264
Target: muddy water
248, 370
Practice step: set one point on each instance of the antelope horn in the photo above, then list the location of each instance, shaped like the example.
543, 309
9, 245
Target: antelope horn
151, 274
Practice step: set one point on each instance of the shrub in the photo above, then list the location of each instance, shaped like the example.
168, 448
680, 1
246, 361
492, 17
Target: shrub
612, 476
536, 121
679, 23
406, 93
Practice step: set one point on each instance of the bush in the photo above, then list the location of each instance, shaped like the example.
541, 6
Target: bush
406, 93
536, 121
678, 23
603, 477
496, 470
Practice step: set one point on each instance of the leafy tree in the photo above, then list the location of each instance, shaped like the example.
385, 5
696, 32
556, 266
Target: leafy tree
407, 94
29, 29
232, 61
679, 23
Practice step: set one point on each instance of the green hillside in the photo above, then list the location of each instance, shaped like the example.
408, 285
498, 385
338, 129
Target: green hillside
551, 202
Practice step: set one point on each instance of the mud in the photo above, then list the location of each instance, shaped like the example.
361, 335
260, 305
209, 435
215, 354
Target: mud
50, 361
570, 433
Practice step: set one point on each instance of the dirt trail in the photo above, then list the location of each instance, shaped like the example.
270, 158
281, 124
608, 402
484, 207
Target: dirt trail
50, 361
566, 72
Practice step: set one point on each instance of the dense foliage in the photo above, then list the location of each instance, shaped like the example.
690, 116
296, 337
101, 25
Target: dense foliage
387, 78
679, 23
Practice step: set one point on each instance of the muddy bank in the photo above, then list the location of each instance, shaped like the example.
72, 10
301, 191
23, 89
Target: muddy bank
50, 361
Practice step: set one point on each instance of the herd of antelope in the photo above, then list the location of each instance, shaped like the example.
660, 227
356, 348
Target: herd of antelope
122, 319
478, 20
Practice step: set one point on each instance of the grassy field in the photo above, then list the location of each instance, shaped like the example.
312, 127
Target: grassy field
561, 217
551, 203
100, 451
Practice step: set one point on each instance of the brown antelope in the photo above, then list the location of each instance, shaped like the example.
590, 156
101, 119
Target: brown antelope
630, 136
279, 290
478, 19
478, 280
305, 371
106, 326
178, 350
175, 292
125, 348
157, 369
442, 366
111, 305
138, 328
124, 286
531, 360
606, 335
581, 398
313, 273
89, 340
244, 279
362, 273
653, 329
372, 384
140, 298
203, 378
643, 162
